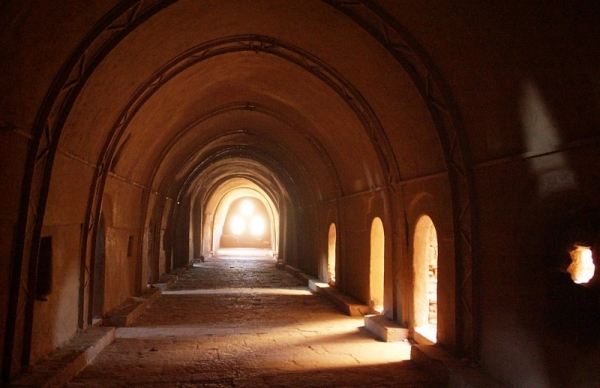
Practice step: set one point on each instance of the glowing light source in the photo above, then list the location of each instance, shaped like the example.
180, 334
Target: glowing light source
582, 268
257, 226
238, 224
247, 208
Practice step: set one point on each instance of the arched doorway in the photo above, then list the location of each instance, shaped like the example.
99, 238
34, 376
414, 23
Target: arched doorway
425, 264
331, 244
376, 270
216, 208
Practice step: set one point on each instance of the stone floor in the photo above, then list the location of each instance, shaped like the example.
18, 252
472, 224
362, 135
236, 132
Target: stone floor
240, 322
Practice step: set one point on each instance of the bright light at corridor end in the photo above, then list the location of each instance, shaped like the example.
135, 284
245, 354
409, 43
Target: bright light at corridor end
582, 267
247, 208
257, 226
238, 224
240, 221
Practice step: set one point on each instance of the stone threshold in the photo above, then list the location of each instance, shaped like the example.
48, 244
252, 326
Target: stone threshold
66, 362
345, 303
449, 371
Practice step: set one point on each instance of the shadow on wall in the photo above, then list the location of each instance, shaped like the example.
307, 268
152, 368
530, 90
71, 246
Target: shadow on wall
561, 312
558, 319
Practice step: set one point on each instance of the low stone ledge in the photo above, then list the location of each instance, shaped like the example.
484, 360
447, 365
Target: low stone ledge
64, 364
384, 329
450, 372
420, 338
347, 304
132, 308
166, 280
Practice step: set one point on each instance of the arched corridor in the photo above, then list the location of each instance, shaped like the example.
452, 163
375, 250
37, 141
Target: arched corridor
139, 138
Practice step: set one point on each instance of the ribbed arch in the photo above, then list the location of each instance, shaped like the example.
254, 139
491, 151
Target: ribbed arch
115, 27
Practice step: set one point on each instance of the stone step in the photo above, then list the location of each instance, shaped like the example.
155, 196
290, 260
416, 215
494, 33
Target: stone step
385, 329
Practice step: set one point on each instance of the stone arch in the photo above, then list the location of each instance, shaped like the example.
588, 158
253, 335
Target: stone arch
268, 45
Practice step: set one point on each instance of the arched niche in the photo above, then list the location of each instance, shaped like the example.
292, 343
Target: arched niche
331, 254
376, 267
425, 268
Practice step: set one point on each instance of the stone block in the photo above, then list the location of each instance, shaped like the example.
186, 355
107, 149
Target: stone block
347, 304
385, 329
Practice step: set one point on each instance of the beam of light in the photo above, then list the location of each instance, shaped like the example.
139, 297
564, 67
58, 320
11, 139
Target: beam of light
238, 224
247, 208
257, 226
541, 136
340, 340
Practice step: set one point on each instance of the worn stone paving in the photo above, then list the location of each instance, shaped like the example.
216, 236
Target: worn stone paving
240, 322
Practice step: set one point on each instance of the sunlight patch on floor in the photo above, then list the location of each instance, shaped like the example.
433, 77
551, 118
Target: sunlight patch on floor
227, 291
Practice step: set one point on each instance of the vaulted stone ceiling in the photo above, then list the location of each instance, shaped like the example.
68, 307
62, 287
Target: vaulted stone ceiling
307, 95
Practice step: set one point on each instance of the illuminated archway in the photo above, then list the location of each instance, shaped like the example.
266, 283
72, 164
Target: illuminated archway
247, 225
216, 208
331, 243
425, 264
377, 265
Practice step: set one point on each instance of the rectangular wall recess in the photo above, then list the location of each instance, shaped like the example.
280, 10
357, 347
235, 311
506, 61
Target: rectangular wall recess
43, 286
